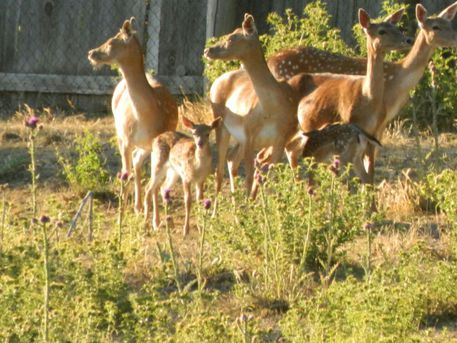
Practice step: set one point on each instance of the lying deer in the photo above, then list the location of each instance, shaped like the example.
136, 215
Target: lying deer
348, 141
142, 107
174, 155
258, 111
400, 77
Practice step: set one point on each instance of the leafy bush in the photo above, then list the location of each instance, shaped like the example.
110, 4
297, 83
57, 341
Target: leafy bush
85, 172
290, 231
441, 189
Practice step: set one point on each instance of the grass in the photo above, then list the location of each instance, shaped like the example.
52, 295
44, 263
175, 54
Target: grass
251, 289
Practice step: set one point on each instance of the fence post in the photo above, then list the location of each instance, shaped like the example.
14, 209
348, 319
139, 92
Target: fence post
153, 36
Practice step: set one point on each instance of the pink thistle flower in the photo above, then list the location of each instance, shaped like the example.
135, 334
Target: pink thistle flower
32, 122
207, 204
44, 219
167, 195
123, 176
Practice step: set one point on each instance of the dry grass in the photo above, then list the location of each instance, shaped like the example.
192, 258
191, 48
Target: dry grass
399, 165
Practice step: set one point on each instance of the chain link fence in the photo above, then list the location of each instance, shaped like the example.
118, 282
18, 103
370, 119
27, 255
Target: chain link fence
44, 45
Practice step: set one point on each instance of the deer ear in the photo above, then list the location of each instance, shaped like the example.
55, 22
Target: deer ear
394, 18
216, 122
449, 12
188, 123
364, 18
421, 15
248, 25
127, 27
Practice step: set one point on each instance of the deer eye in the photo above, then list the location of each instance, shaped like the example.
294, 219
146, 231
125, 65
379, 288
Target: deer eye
382, 32
436, 28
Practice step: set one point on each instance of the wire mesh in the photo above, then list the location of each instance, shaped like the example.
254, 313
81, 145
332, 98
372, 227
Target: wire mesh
44, 44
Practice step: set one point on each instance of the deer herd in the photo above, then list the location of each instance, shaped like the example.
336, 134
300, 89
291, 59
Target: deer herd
304, 101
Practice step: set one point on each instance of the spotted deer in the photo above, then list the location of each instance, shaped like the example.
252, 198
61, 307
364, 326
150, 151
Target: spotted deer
257, 110
333, 94
174, 155
400, 77
142, 107
347, 141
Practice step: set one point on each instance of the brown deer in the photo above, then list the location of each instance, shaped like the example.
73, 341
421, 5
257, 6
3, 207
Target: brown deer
400, 77
258, 111
174, 155
347, 141
142, 107
363, 96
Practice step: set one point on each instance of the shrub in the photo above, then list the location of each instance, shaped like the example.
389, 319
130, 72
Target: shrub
288, 232
86, 171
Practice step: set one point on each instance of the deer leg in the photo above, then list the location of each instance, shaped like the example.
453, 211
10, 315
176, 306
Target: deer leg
187, 204
294, 148
170, 180
249, 161
126, 156
157, 177
233, 162
222, 141
152, 189
274, 157
139, 156
199, 188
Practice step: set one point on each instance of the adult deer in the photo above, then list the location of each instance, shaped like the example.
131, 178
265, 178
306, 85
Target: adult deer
142, 107
350, 96
400, 77
258, 111
176, 155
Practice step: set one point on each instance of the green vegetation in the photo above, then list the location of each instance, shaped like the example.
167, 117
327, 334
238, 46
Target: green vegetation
305, 262
86, 171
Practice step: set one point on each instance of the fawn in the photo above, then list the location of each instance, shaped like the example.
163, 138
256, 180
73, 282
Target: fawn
142, 107
347, 141
174, 155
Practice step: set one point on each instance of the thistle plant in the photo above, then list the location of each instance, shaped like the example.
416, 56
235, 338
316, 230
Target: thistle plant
167, 199
206, 206
123, 177
32, 124
3, 219
45, 220
368, 227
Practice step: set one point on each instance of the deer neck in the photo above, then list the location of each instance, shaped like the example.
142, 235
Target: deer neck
265, 85
417, 59
137, 84
406, 76
202, 153
373, 83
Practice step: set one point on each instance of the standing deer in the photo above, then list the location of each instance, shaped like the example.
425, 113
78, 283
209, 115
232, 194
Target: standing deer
142, 107
331, 95
400, 77
176, 155
258, 111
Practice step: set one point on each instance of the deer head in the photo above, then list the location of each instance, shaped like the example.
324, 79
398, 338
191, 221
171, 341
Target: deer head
384, 36
438, 30
238, 44
118, 48
201, 132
